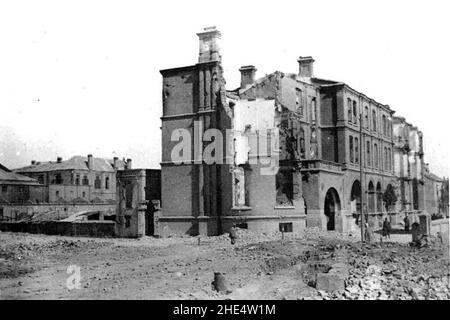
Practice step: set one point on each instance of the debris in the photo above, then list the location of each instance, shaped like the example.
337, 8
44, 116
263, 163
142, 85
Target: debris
219, 284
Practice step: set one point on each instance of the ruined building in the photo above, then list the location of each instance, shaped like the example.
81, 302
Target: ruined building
285, 150
409, 165
138, 197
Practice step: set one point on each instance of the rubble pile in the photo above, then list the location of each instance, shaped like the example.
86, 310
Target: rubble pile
396, 272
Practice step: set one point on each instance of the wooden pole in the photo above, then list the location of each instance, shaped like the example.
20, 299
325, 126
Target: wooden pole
361, 175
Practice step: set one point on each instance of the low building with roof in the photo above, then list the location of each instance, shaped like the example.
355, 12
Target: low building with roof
78, 179
17, 188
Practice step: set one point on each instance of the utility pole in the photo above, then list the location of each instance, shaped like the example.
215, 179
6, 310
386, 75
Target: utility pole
361, 175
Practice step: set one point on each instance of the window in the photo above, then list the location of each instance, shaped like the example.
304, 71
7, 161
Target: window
366, 117
21, 190
85, 180
4, 189
355, 113
239, 187
356, 150
58, 179
313, 110
368, 153
385, 159
375, 155
384, 124
374, 120
41, 179
285, 226
284, 187
351, 148
349, 114
57, 194
302, 143
298, 100
97, 182
77, 180
129, 196
83, 194
107, 183
389, 159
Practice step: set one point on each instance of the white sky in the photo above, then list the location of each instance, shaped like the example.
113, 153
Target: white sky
79, 77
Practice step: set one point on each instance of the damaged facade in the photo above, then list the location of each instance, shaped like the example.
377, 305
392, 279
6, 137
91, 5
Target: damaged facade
138, 198
312, 129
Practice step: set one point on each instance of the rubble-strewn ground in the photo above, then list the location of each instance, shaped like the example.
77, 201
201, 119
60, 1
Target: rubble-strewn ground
257, 267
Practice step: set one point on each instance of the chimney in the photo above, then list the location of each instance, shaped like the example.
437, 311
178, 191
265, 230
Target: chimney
209, 47
305, 67
115, 163
90, 162
33, 162
58, 160
128, 164
247, 75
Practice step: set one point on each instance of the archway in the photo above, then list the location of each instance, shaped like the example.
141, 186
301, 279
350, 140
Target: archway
379, 198
332, 207
355, 198
371, 200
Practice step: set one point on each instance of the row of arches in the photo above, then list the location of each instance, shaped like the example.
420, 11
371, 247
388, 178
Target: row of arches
374, 197
332, 205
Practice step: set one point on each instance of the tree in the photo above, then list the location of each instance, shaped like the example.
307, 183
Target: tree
389, 197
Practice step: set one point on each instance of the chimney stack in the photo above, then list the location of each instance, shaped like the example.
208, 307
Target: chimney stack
115, 163
58, 160
209, 46
128, 164
306, 67
90, 162
33, 162
247, 76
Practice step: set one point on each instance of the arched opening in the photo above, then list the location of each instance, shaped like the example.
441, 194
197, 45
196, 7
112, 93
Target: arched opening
332, 208
379, 198
355, 198
371, 200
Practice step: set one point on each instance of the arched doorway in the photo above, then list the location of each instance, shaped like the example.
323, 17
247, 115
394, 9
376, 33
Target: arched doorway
371, 200
355, 200
379, 198
332, 208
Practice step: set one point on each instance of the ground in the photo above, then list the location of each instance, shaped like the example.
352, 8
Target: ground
314, 265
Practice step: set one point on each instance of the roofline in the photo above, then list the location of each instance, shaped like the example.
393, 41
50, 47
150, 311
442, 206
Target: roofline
165, 72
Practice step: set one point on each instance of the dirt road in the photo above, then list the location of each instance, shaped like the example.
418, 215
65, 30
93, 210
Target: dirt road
257, 267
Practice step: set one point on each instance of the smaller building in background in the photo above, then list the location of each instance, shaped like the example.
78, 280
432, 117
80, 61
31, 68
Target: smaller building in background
17, 188
433, 189
77, 180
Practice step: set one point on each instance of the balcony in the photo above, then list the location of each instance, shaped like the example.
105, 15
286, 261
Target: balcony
321, 165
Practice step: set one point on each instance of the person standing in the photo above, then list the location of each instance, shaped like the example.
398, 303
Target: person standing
233, 235
406, 221
386, 231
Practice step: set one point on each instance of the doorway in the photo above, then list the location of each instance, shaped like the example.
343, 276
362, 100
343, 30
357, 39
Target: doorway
332, 208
